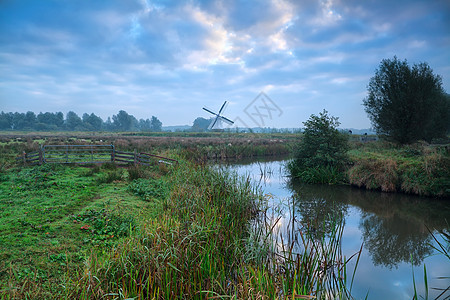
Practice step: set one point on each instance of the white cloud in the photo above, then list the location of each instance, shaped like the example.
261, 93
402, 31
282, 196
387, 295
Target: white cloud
130, 55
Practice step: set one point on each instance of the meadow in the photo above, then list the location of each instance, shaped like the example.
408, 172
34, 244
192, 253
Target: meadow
175, 231
179, 231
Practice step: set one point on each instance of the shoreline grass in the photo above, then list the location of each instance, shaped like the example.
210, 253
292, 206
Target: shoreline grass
414, 169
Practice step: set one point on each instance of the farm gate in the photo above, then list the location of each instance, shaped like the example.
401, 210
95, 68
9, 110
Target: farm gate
89, 154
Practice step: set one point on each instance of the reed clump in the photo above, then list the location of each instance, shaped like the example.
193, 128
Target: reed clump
375, 174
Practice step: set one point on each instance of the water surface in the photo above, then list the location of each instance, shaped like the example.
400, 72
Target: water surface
393, 229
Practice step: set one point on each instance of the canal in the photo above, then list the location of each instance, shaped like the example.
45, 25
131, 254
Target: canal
393, 230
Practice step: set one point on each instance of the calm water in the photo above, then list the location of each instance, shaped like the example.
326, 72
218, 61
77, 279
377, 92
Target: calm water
391, 227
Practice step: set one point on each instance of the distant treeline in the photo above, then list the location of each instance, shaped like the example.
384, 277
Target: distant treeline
72, 122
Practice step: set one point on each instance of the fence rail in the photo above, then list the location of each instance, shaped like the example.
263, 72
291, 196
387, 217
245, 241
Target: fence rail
147, 158
89, 154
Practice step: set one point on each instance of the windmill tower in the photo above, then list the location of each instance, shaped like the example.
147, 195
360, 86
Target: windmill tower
216, 122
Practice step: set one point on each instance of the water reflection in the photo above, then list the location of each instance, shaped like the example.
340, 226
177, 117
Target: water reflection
394, 227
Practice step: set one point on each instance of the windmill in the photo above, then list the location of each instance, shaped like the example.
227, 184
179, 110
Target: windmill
219, 118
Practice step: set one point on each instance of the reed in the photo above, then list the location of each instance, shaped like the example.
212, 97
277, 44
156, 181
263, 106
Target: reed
202, 245
189, 251
305, 266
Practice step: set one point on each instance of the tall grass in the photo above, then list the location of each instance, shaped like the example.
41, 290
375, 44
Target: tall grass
415, 169
442, 248
191, 250
202, 245
306, 265
321, 175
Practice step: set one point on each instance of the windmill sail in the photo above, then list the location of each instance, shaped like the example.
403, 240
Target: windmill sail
218, 118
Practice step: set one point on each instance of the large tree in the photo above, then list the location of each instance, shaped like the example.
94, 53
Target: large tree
407, 103
92, 122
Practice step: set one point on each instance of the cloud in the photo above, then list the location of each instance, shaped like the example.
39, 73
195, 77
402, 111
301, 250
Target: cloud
145, 56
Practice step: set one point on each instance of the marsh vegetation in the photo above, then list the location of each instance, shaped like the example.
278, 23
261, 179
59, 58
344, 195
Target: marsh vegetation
164, 232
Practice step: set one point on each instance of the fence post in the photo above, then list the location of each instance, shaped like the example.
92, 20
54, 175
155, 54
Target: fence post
113, 153
40, 155
43, 154
135, 157
24, 158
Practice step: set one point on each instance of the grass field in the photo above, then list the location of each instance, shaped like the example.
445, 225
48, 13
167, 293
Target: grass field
52, 216
173, 232
198, 146
158, 232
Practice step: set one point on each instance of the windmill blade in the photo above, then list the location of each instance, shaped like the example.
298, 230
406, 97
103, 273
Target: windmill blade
228, 121
223, 107
213, 123
218, 118
210, 111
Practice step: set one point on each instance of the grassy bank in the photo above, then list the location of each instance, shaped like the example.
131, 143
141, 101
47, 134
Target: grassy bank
159, 232
416, 169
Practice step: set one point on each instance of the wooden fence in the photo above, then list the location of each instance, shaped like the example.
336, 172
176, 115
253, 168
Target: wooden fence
89, 154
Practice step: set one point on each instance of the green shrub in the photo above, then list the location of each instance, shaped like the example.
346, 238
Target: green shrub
322, 153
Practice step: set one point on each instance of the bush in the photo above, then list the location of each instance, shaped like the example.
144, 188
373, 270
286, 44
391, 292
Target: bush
322, 153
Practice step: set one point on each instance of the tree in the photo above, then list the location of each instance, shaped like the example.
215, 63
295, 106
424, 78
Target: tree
200, 124
50, 121
92, 122
6, 120
73, 121
407, 104
156, 125
30, 120
322, 153
144, 125
123, 121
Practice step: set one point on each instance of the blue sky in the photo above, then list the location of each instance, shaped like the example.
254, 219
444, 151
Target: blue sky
171, 58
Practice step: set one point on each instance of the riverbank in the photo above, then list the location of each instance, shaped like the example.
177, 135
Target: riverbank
419, 169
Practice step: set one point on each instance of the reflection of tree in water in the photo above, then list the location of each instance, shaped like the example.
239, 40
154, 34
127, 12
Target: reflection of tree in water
317, 211
394, 239
392, 225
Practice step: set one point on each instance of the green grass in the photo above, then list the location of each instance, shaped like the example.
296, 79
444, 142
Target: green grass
51, 217
416, 169
163, 232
